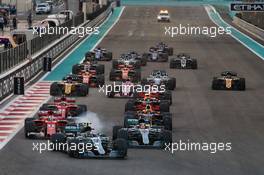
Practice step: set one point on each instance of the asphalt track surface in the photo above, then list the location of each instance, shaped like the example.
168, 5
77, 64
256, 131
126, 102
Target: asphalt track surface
200, 114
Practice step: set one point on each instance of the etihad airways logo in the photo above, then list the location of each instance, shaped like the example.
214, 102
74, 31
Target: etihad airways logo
247, 7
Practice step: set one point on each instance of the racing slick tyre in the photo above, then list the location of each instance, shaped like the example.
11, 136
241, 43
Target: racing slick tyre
171, 84
112, 76
29, 126
137, 76
100, 69
115, 131
167, 96
144, 82
115, 64
173, 64
123, 134
82, 90
166, 137
81, 109
146, 56
57, 139
89, 56
167, 122
100, 80
74, 153
110, 92
108, 56
144, 61
120, 145
130, 105
164, 57
169, 51
215, 84
55, 89
137, 64
194, 64
242, 84
76, 69
164, 106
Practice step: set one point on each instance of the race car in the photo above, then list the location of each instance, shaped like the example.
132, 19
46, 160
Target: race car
229, 81
126, 61
155, 55
132, 55
64, 99
88, 66
183, 61
163, 16
124, 73
89, 78
161, 95
123, 89
162, 119
69, 88
61, 109
160, 77
99, 54
44, 126
162, 47
148, 105
143, 135
99, 145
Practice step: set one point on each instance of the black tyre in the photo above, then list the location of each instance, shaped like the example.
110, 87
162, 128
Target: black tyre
144, 82
123, 134
82, 90
137, 76
145, 56
115, 64
55, 89
194, 64
100, 80
144, 61
75, 152
100, 69
172, 64
170, 51
166, 137
164, 106
120, 145
76, 69
109, 56
115, 131
167, 122
164, 57
56, 139
167, 96
130, 105
242, 84
171, 83
215, 84
112, 76
29, 126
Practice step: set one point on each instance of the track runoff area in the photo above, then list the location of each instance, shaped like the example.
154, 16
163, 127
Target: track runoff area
213, 132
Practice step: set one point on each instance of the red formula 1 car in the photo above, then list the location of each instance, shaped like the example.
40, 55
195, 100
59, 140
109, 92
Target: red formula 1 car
125, 72
150, 104
44, 126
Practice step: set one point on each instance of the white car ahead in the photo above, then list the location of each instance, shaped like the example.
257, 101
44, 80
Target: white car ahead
163, 16
43, 8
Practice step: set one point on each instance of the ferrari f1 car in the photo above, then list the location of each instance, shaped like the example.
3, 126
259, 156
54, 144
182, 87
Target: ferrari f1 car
94, 145
69, 88
160, 77
88, 66
229, 81
61, 109
143, 135
125, 73
183, 61
154, 118
99, 54
45, 126
147, 105
132, 55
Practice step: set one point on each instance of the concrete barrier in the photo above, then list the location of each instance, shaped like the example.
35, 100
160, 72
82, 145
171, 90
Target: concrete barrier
254, 30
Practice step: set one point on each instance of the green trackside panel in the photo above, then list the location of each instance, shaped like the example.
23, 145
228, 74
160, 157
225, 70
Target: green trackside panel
77, 55
248, 42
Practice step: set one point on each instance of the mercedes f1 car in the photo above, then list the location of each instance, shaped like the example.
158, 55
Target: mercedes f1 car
125, 73
88, 66
183, 61
94, 145
99, 54
229, 81
160, 77
154, 118
147, 105
69, 88
143, 135
89, 78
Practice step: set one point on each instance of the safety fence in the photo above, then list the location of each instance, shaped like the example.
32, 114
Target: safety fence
32, 68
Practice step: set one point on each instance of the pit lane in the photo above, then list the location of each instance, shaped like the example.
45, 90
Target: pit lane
199, 113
